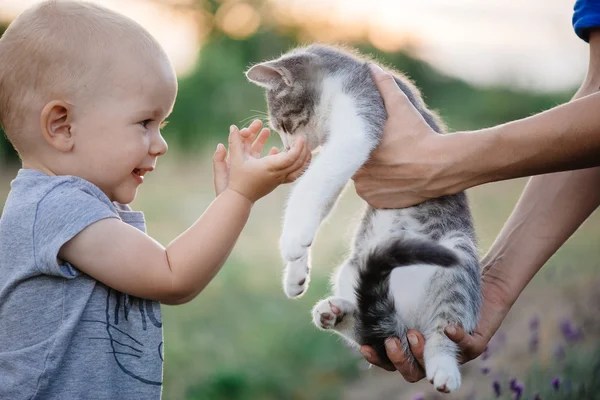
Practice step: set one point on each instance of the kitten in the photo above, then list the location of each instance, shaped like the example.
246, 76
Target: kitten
328, 96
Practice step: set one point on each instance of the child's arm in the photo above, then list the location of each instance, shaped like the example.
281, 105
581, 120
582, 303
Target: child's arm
127, 260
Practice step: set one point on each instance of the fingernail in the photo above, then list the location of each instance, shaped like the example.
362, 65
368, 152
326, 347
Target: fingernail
391, 344
231, 128
366, 353
450, 329
412, 339
375, 68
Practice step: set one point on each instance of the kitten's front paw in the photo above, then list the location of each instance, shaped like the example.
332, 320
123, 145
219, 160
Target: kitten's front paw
328, 313
443, 373
296, 277
298, 234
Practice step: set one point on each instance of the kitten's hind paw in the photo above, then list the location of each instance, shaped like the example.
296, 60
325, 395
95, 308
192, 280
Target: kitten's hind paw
443, 373
296, 277
330, 312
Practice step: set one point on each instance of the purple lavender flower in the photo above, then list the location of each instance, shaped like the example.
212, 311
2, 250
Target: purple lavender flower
516, 386
570, 333
556, 383
496, 387
534, 323
519, 387
485, 370
419, 396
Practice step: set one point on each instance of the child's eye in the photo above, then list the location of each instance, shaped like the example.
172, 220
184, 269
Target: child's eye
145, 122
163, 124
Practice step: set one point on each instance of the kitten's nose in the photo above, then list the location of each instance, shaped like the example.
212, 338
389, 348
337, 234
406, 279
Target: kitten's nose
288, 147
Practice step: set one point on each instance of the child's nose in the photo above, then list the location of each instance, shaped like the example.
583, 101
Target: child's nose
159, 146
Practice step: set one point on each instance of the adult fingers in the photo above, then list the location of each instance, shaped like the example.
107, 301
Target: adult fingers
392, 96
410, 371
370, 355
471, 346
416, 342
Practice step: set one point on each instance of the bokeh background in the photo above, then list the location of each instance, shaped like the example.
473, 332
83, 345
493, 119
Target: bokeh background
478, 64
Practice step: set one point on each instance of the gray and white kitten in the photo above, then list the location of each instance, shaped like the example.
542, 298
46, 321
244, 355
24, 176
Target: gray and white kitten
328, 96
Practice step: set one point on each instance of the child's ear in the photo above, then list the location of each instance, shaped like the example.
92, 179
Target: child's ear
55, 124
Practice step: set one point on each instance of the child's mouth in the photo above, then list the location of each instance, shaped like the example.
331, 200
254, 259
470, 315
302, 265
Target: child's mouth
138, 174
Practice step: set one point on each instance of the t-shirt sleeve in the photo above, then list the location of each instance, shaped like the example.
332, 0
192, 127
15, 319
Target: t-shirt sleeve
63, 213
586, 15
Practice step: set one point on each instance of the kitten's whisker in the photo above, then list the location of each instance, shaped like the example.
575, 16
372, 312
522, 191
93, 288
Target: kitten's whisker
250, 118
260, 112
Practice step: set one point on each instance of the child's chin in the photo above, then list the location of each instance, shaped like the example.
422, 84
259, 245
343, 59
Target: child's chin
126, 197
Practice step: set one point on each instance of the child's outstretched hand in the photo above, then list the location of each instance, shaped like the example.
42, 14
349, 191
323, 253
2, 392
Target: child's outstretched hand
248, 174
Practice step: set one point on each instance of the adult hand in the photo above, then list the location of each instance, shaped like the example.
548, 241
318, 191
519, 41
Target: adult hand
496, 304
404, 169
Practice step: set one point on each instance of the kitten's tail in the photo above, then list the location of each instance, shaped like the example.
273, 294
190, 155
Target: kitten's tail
376, 309
403, 252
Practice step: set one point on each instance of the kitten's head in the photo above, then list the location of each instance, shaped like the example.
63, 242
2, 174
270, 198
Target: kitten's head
291, 83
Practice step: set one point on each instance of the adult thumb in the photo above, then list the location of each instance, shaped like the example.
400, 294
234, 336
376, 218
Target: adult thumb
392, 95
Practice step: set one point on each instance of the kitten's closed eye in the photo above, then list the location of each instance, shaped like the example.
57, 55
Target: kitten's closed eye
287, 125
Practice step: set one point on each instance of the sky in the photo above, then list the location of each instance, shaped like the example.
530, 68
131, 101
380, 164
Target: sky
525, 43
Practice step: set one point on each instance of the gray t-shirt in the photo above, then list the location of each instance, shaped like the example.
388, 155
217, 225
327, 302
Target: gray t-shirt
64, 335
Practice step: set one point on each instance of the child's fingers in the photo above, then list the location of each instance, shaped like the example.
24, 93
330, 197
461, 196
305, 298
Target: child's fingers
273, 151
259, 143
298, 164
283, 161
236, 147
298, 172
220, 169
247, 139
255, 126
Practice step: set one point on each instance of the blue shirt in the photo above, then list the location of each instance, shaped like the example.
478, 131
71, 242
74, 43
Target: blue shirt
586, 16
64, 335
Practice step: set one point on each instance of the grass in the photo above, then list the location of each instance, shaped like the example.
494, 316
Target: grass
242, 339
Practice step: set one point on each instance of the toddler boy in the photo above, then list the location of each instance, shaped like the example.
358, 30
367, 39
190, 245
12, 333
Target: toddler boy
83, 94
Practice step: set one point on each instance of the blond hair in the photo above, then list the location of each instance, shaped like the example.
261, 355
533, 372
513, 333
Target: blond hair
61, 49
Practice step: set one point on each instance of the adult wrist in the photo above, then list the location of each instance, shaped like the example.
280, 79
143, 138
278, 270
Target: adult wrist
468, 159
503, 280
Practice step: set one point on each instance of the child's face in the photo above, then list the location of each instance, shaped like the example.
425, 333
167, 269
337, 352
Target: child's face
118, 135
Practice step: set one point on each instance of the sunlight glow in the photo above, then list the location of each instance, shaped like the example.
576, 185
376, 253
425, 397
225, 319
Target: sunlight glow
529, 44
238, 20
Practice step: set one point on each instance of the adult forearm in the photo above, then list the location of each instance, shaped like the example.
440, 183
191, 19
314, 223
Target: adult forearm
551, 208
566, 137
192, 263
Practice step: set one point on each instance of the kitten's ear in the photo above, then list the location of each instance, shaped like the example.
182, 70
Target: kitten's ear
269, 74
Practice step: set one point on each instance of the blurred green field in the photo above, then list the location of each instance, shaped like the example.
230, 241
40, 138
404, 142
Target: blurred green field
243, 339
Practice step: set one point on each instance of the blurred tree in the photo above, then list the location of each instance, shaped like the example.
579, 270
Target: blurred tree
7, 152
216, 94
